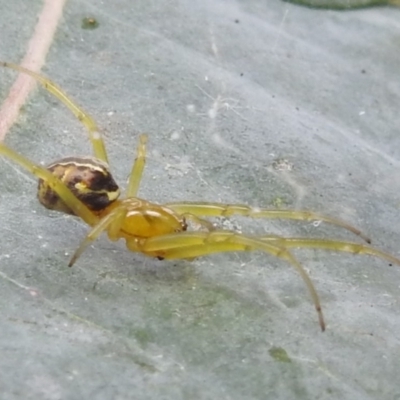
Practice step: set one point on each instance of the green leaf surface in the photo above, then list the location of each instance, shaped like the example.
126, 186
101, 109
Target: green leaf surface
226, 91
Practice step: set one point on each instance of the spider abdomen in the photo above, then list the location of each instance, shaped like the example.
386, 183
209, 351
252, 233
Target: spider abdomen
88, 178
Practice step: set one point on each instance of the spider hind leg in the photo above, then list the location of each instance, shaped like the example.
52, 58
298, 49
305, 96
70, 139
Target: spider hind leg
137, 169
73, 203
111, 223
95, 135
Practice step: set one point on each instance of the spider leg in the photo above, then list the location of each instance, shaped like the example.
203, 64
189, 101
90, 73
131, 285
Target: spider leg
202, 223
226, 210
63, 192
137, 169
111, 222
326, 244
94, 132
188, 245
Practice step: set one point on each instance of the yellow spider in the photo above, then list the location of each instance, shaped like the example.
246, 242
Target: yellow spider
85, 187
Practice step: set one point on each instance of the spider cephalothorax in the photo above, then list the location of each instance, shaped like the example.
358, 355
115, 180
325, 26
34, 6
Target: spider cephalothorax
84, 187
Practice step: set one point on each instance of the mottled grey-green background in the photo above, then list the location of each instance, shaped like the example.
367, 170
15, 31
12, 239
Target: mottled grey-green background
248, 101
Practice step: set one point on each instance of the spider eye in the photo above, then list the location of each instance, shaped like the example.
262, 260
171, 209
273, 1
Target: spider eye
89, 180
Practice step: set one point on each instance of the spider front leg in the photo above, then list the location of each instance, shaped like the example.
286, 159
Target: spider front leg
189, 245
327, 244
95, 135
226, 210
